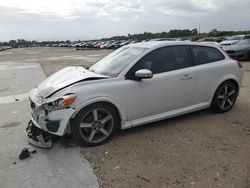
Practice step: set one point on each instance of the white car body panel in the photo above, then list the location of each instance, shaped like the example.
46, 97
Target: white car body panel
210, 77
169, 114
149, 94
138, 102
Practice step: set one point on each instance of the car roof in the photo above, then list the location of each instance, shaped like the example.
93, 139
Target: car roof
155, 44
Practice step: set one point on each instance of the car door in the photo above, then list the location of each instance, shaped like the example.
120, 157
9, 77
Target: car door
210, 65
171, 87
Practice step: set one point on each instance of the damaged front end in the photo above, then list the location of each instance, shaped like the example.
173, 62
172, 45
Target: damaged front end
51, 104
49, 118
38, 137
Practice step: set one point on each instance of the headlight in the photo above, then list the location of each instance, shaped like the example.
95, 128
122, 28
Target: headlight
59, 103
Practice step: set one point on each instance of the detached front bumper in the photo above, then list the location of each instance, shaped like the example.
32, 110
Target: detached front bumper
45, 124
37, 136
54, 122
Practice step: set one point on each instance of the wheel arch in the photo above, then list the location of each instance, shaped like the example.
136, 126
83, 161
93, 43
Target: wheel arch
225, 79
104, 100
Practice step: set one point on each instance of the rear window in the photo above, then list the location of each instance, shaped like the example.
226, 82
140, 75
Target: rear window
203, 55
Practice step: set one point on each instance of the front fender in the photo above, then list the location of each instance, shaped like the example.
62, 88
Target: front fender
83, 104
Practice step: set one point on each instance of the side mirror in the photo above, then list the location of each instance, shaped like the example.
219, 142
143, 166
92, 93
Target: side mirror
143, 74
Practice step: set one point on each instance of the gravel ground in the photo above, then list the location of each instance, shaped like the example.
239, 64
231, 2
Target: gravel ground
201, 149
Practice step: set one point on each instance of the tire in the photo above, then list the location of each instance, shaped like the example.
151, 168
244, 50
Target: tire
224, 97
248, 57
95, 124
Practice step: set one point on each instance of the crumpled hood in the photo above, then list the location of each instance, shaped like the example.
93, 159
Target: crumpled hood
64, 78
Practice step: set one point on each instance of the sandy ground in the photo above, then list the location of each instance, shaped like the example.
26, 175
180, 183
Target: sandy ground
202, 149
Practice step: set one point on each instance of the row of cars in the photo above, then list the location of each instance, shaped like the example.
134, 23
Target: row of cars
5, 48
93, 44
237, 46
223, 41
109, 44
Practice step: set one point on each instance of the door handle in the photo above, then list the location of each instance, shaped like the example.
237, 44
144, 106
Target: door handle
186, 77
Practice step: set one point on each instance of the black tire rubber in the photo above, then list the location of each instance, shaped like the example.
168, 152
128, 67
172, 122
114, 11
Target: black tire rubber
248, 57
214, 106
75, 123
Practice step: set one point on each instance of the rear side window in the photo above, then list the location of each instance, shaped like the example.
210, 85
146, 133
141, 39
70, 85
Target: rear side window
202, 55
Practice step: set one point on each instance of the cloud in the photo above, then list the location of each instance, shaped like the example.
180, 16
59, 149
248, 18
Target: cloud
85, 19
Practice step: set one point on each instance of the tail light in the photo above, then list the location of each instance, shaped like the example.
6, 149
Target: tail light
238, 63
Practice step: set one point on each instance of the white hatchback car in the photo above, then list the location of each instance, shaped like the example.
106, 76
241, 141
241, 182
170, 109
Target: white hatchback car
134, 85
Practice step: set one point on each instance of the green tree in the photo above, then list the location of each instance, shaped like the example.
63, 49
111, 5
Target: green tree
13, 43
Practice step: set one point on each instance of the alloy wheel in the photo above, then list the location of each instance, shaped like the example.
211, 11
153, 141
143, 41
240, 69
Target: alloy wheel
96, 125
226, 97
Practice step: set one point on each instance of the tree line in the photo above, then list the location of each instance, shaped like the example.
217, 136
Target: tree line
175, 33
178, 33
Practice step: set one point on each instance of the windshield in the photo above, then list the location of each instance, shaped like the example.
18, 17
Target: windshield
244, 41
117, 61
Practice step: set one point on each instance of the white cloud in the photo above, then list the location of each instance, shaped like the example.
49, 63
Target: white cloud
84, 19
60, 8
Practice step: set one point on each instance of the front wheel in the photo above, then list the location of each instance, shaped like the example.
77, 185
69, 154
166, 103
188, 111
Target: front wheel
224, 97
95, 124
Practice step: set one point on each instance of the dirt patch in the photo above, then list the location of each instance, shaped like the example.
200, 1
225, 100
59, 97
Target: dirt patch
197, 150
10, 125
4, 89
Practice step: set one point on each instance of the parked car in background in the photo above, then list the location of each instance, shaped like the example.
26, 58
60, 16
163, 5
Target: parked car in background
210, 40
124, 43
5, 48
163, 39
184, 39
113, 45
240, 50
137, 84
232, 40
105, 44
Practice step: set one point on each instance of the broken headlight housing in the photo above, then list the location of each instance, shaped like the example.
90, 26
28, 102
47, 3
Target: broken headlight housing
59, 103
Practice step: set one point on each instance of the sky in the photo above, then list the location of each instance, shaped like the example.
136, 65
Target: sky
93, 19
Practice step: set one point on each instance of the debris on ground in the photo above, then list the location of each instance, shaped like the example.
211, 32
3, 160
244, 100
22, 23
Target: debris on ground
116, 168
143, 178
33, 152
25, 153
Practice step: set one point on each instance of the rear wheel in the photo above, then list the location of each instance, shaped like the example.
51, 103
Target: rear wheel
95, 124
225, 97
248, 57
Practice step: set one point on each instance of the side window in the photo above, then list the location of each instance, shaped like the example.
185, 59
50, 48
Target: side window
203, 55
163, 60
